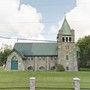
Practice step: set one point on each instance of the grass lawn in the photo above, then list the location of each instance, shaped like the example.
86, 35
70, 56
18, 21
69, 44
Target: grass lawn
13, 80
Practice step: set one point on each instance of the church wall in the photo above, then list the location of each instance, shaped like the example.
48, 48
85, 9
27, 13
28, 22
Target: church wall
40, 63
73, 60
67, 49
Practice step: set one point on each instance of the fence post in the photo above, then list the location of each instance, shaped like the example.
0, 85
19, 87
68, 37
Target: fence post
32, 83
76, 83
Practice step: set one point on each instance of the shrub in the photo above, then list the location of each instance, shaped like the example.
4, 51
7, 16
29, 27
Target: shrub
53, 68
60, 68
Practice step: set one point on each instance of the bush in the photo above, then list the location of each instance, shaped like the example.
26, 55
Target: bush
84, 69
53, 68
60, 68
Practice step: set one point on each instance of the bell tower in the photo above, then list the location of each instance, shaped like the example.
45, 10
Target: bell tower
66, 47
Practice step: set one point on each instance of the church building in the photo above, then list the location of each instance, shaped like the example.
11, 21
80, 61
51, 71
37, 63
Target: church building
45, 56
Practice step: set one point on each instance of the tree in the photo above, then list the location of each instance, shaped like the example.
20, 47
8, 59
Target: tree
5, 51
84, 45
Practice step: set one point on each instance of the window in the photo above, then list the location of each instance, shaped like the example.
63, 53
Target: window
43, 58
30, 68
14, 58
32, 58
28, 58
39, 58
42, 68
51, 58
63, 39
66, 39
55, 58
67, 58
70, 39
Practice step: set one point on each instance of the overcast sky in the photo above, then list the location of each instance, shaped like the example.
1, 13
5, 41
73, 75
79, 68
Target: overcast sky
41, 19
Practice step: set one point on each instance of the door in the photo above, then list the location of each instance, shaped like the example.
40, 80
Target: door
14, 64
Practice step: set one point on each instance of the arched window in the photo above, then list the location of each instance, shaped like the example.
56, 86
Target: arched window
30, 68
43, 58
55, 58
14, 58
67, 58
70, 39
39, 58
66, 39
32, 58
51, 57
42, 68
63, 39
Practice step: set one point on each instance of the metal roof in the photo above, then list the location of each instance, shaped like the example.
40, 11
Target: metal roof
39, 49
66, 30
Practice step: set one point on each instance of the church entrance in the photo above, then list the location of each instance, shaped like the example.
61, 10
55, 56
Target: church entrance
14, 64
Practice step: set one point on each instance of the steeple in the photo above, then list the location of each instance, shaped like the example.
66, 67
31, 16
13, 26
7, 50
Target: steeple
66, 30
65, 34
66, 47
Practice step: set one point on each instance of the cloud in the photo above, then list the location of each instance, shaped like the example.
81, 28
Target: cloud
19, 23
55, 29
25, 22
79, 18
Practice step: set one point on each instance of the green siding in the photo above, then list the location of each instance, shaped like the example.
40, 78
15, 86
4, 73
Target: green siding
36, 48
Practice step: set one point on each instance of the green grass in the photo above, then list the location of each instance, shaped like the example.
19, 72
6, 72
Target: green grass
13, 80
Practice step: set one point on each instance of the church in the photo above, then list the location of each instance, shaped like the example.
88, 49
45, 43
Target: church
45, 56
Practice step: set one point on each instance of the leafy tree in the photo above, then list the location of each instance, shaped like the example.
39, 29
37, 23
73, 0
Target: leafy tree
5, 51
84, 45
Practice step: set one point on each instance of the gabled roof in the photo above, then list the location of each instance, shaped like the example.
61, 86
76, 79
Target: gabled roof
36, 49
66, 30
19, 53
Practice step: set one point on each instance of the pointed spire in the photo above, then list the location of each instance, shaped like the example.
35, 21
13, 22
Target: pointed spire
66, 30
